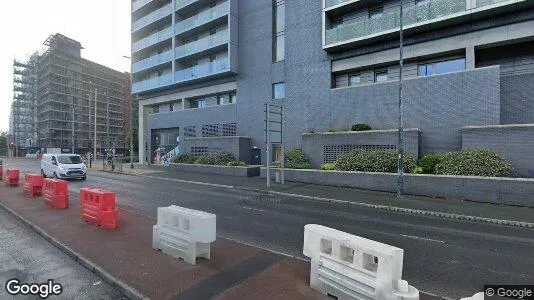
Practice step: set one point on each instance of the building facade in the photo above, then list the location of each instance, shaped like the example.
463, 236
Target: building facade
331, 64
67, 87
23, 114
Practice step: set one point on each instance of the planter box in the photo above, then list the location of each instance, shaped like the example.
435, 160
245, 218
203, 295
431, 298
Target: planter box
249, 171
324, 147
508, 191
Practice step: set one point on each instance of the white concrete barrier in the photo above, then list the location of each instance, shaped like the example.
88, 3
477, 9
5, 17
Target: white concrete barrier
351, 267
477, 296
184, 233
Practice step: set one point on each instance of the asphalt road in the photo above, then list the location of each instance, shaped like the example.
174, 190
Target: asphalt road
26, 256
446, 257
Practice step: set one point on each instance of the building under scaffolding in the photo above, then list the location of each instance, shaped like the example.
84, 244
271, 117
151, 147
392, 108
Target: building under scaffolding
23, 115
67, 86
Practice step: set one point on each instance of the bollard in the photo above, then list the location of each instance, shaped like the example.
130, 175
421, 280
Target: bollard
56, 193
12, 177
184, 233
351, 267
33, 184
1, 171
97, 206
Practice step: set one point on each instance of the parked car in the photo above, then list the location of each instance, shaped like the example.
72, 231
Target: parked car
63, 166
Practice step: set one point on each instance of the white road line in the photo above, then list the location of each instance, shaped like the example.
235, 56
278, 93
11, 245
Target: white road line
421, 238
250, 208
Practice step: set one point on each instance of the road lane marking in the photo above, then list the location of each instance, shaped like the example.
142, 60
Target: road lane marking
250, 208
422, 238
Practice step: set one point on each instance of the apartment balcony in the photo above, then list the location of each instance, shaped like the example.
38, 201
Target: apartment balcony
153, 39
183, 3
152, 17
203, 70
428, 15
152, 83
203, 18
138, 4
153, 61
204, 44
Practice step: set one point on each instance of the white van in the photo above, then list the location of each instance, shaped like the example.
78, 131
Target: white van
63, 166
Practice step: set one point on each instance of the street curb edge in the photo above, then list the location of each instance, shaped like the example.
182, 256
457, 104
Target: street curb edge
121, 286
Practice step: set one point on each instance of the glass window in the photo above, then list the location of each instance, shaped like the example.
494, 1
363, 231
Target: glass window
233, 98
376, 12
70, 159
200, 103
381, 76
279, 90
279, 24
441, 67
354, 79
171, 107
421, 2
220, 100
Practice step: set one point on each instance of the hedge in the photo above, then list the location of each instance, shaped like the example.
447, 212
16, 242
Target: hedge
296, 159
216, 158
373, 161
185, 158
473, 163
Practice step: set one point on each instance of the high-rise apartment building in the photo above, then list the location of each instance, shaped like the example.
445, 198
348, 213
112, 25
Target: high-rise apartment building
23, 115
67, 86
331, 64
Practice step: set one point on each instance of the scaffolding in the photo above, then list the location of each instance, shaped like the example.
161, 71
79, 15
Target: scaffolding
23, 114
68, 84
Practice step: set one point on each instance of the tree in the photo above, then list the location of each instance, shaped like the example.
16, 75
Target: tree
3, 143
135, 140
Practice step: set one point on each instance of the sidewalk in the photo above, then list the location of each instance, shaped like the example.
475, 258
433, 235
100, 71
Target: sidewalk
124, 257
447, 206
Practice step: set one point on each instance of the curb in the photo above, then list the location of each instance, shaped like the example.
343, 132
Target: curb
125, 289
362, 204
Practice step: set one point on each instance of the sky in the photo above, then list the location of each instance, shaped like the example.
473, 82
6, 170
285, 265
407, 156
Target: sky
101, 26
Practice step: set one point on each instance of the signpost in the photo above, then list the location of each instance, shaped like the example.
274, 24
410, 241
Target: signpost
274, 116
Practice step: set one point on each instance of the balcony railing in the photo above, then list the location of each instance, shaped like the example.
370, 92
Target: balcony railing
182, 3
329, 3
152, 39
203, 17
139, 3
426, 11
153, 61
203, 70
152, 17
152, 83
221, 37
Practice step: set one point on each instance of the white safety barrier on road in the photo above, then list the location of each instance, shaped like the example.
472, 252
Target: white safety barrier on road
184, 233
477, 296
351, 267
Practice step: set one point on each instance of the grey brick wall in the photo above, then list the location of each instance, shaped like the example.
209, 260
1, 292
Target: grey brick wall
517, 99
439, 105
515, 142
313, 143
239, 146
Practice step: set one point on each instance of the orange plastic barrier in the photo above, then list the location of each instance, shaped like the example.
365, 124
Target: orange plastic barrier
33, 184
98, 207
56, 193
12, 177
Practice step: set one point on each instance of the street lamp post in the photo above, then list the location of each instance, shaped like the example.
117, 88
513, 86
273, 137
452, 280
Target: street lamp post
400, 161
130, 133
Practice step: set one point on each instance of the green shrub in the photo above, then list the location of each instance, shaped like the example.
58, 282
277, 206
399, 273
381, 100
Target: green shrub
428, 162
373, 161
185, 158
417, 170
216, 158
360, 127
296, 159
328, 166
474, 163
236, 164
